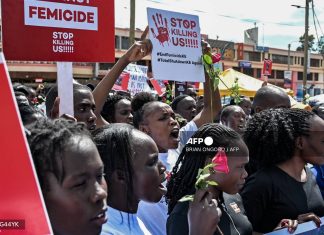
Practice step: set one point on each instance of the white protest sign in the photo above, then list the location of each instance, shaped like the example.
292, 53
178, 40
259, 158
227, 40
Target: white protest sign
176, 43
65, 87
138, 78
307, 228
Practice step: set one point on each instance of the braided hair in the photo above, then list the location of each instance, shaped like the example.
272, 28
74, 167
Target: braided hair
271, 135
143, 112
48, 140
184, 173
140, 99
114, 143
108, 110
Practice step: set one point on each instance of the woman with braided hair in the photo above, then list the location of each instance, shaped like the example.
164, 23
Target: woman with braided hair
134, 173
183, 179
71, 176
281, 142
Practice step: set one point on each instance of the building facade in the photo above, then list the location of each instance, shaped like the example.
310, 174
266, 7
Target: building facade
245, 58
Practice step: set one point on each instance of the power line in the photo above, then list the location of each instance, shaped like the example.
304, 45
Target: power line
318, 23
314, 16
313, 10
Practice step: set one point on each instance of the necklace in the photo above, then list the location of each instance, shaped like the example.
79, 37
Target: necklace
230, 218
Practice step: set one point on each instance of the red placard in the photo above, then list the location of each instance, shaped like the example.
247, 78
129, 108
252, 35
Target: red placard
267, 67
22, 209
59, 30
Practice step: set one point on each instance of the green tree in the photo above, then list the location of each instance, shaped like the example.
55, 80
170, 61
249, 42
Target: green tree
321, 45
311, 43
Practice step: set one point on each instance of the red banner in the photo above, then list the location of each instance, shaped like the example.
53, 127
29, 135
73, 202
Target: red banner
22, 210
158, 86
53, 30
125, 80
267, 67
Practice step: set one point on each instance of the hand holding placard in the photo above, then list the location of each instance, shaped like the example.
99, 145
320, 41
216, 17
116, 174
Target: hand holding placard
138, 50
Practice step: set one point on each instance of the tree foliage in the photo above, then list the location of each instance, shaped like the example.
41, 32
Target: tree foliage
311, 43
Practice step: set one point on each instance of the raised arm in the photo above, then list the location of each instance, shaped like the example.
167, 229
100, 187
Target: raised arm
135, 53
212, 99
212, 104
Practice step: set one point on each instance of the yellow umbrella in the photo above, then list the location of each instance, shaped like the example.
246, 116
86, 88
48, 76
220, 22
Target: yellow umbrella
248, 85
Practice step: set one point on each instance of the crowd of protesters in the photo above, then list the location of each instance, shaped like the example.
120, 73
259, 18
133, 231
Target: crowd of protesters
121, 164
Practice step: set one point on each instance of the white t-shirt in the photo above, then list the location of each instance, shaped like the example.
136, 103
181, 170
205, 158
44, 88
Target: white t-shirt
154, 215
121, 223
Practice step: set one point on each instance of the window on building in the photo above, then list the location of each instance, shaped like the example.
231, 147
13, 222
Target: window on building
316, 76
237, 69
314, 63
300, 76
105, 66
252, 56
259, 73
125, 43
302, 61
280, 74
272, 74
279, 59
310, 77
117, 42
291, 60
248, 71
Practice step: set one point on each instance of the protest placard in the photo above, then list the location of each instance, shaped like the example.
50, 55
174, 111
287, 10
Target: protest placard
54, 30
176, 43
308, 228
138, 78
22, 209
65, 87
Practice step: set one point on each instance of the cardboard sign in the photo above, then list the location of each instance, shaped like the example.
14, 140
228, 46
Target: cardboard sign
176, 43
180, 88
57, 30
22, 209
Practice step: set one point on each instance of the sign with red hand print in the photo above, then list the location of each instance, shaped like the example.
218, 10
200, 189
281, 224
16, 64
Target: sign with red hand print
162, 29
176, 43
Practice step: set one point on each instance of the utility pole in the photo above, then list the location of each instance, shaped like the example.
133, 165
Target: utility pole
289, 45
305, 51
132, 23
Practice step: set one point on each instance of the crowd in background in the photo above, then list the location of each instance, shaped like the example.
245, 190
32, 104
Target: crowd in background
121, 164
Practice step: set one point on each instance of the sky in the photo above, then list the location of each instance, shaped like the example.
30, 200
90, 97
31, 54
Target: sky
279, 23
